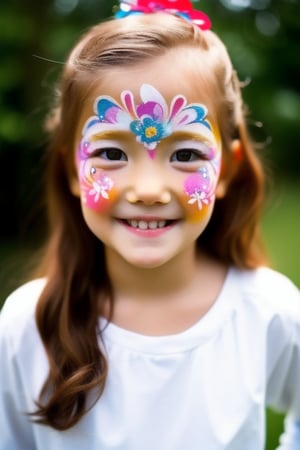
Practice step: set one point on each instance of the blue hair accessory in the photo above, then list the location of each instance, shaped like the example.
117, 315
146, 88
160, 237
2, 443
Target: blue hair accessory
181, 8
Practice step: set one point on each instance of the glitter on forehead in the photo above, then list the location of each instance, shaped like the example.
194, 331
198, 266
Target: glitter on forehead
151, 120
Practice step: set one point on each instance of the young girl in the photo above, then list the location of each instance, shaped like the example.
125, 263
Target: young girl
156, 324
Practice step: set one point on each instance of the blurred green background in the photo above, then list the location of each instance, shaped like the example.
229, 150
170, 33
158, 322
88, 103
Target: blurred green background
263, 38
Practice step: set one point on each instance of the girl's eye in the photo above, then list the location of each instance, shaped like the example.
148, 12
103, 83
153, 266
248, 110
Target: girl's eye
186, 156
112, 154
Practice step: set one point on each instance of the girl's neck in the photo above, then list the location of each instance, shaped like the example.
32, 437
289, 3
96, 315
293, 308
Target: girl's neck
166, 300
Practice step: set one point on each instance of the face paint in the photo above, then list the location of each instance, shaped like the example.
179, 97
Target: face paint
200, 186
150, 121
97, 188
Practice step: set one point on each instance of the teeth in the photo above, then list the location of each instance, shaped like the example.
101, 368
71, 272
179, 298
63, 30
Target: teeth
143, 225
153, 224
133, 223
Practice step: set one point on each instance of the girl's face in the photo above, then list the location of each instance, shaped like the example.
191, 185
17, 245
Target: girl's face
148, 158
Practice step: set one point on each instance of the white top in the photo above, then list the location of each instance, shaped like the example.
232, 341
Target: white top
203, 389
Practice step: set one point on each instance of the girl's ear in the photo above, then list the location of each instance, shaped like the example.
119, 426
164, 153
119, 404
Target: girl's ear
230, 165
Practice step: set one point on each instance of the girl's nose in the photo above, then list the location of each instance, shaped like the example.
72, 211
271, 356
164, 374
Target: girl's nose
149, 186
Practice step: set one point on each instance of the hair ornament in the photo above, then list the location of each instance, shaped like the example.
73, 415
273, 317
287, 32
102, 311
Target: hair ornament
181, 8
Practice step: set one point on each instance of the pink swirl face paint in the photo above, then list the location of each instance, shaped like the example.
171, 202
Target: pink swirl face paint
97, 187
199, 189
200, 186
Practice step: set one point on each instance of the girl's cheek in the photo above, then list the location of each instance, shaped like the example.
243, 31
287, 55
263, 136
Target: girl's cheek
98, 191
199, 194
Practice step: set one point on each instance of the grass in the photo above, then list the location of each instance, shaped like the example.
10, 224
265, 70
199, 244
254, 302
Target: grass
281, 225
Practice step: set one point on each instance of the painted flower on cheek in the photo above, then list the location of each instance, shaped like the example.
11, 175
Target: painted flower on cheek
200, 188
97, 188
101, 187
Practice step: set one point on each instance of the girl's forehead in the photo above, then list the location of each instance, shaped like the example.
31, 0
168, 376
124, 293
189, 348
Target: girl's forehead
178, 72
170, 77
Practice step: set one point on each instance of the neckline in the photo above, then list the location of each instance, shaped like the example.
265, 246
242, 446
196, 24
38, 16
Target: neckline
198, 333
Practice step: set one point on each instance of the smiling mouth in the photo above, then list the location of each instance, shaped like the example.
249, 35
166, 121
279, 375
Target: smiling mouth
148, 225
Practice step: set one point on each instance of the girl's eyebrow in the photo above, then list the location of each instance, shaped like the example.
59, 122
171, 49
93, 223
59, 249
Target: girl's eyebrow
192, 136
111, 134
177, 134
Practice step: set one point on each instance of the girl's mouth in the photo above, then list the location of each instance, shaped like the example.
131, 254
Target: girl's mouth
147, 224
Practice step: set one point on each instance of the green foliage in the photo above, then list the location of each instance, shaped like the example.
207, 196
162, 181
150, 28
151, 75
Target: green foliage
263, 40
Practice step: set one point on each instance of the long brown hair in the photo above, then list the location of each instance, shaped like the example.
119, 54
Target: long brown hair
74, 264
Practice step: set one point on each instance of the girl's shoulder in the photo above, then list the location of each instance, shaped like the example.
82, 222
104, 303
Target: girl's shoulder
18, 312
269, 290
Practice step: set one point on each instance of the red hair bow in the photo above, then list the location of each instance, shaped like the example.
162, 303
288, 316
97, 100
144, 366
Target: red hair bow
181, 8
